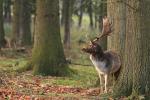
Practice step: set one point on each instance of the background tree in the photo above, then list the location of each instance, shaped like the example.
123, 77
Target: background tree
67, 22
100, 10
101, 13
16, 22
90, 12
7, 10
2, 35
48, 56
81, 8
62, 12
25, 21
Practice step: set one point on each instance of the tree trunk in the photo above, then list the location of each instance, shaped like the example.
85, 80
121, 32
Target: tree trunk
132, 28
116, 42
90, 12
25, 21
115, 13
80, 13
2, 40
63, 12
7, 10
16, 22
103, 11
141, 39
67, 22
48, 56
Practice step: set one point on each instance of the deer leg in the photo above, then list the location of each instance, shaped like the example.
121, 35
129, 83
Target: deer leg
106, 81
101, 86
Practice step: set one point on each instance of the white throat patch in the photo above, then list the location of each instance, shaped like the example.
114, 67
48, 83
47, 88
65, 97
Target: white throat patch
99, 65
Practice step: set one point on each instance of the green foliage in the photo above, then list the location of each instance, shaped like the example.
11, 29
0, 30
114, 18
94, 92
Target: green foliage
81, 77
12, 64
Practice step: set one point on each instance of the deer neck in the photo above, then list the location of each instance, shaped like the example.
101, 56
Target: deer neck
98, 56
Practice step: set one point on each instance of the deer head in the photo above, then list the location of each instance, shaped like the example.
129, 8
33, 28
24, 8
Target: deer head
93, 48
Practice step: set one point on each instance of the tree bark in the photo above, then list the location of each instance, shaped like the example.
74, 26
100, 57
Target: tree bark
16, 22
63, 12
25, 21
48, 56
90, 12
103, 11
141, 39
7, 10
117, 42
80, 13
130, 40
67, 22
2, 35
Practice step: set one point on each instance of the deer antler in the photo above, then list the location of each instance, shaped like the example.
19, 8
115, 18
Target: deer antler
107, 28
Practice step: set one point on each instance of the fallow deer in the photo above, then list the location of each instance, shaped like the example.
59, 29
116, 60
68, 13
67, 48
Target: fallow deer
105, 62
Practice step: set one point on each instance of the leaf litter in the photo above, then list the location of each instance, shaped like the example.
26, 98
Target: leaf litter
18, 87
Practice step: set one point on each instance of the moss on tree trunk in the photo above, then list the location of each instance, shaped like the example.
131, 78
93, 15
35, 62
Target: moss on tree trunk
131, 39
48, 56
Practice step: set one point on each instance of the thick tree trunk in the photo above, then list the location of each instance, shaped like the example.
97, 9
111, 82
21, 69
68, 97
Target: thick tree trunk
67, 23
48, 56
116, 42
25, 21
132, 41
141, 37
2, 40
115, 14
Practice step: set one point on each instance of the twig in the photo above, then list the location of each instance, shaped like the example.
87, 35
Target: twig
73, 63
79, 64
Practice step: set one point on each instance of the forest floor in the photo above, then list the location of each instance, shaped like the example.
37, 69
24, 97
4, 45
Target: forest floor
18, 84
15, 84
